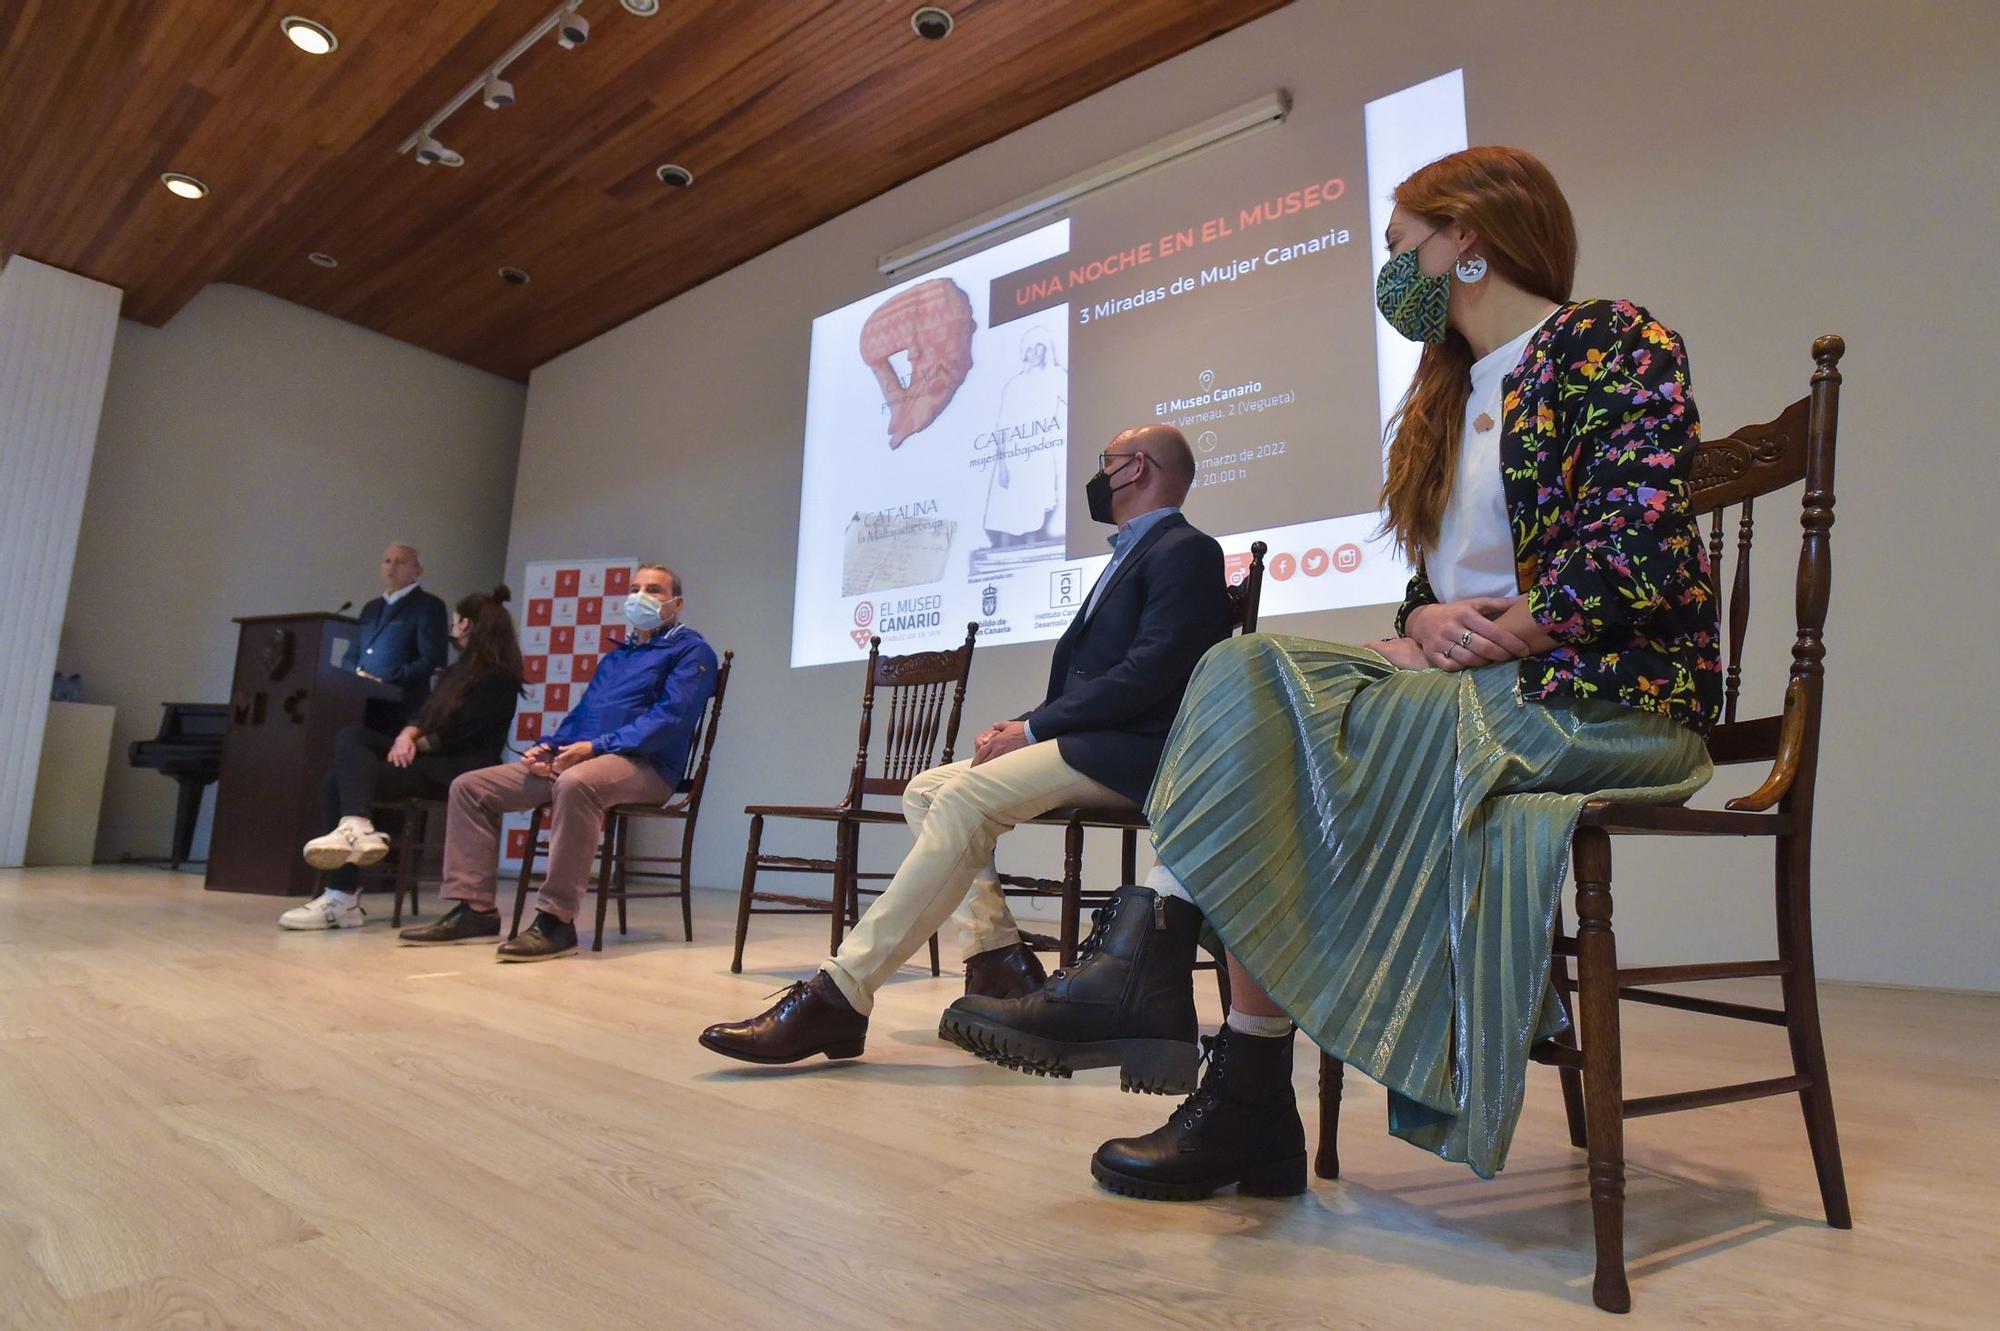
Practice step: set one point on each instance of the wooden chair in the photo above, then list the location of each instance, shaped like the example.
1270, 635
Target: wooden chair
411, 848
915, 687
615, 857
408, 848
1244, 597
1735, 470
686, 806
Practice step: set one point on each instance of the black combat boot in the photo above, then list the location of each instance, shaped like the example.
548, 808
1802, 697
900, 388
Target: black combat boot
1129, 1002
1241, 1127
1004, 972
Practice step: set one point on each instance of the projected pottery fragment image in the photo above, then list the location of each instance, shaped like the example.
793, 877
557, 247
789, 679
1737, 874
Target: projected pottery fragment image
931, 327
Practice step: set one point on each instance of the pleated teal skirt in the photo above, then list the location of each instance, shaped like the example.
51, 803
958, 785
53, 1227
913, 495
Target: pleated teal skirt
1384, 850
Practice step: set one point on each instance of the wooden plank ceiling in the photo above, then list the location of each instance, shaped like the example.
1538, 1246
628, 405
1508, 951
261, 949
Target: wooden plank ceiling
789, 112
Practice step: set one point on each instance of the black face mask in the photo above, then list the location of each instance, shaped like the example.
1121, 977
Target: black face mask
1097, 492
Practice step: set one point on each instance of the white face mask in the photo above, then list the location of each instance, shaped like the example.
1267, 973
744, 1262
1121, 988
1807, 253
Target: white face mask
642, 612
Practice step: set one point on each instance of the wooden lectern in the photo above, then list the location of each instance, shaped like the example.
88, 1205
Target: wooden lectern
289, 698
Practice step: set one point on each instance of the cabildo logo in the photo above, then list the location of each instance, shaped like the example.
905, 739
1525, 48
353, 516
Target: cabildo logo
989, 599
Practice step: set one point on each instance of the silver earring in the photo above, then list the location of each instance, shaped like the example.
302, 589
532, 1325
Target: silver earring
1471, 268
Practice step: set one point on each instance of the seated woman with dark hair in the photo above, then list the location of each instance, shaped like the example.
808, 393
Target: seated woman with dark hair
1379, 834
461, 726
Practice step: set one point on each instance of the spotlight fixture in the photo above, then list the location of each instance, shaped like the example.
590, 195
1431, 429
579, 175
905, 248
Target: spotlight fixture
309, 35
323, 259
643, 8
932, 24
514, 277
184, 185
677, 176
432, 153
490, 84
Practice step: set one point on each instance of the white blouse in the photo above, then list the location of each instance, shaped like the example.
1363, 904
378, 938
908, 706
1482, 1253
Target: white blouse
1474, 554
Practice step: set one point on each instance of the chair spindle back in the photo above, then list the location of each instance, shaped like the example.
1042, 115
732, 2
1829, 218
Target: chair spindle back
1244, 596
1737, 469
915, 718
702, 742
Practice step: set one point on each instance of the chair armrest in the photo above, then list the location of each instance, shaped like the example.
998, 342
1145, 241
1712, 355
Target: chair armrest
1133, 820
1785, 769
822, 812
1679, 820
676, 807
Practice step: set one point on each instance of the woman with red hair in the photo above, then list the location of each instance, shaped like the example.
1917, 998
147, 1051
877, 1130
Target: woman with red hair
1378, 834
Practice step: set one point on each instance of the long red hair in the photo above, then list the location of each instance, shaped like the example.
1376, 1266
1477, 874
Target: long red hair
1527, 236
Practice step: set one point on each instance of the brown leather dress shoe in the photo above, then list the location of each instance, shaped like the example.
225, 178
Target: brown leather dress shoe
1004, 972
812, 1017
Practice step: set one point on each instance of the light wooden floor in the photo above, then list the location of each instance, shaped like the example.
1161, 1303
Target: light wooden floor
210, 1123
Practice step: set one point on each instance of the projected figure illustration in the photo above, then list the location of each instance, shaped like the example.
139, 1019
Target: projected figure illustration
930, 327
1024, 483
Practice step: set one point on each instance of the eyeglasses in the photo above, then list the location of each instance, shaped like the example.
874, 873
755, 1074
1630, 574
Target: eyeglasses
1110, 462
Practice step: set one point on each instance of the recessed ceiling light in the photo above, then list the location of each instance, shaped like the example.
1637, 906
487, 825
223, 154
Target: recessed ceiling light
643, 8
323, 259
932, 24
184, 185
677, 176
514, 277
312, 37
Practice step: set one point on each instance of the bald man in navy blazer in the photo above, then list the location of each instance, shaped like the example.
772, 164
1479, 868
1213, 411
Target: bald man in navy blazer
403, 638
1114, 686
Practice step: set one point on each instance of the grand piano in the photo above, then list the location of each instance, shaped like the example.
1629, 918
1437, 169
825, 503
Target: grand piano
188, 749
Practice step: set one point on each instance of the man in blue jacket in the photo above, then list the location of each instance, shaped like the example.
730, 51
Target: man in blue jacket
402, 639
1114, 685
625, 742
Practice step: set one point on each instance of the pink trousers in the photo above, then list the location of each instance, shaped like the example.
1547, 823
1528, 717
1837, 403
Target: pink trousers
577, 800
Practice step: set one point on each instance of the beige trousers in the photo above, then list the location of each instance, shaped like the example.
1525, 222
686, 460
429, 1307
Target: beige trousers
957, 812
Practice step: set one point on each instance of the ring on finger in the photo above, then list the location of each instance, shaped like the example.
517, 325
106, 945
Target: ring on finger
1465, 638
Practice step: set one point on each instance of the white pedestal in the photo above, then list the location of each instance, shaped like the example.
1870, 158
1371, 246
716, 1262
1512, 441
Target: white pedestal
69, 785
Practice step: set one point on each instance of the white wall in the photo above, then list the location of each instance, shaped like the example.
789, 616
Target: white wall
255, 457
55, 352
1755, 174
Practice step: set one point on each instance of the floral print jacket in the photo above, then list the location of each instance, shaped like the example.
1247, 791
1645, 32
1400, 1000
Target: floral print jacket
1598, 443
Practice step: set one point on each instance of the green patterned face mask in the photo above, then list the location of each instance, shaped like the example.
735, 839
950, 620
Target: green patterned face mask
1414, 304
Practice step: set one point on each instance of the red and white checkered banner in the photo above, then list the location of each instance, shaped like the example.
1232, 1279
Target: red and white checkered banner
573, 614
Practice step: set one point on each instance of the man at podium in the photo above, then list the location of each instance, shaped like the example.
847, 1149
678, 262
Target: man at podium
402, 638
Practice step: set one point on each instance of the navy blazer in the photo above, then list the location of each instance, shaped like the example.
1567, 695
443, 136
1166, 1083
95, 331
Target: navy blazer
402, 644
1120, 670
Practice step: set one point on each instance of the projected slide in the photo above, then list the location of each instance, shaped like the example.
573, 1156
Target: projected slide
952, 420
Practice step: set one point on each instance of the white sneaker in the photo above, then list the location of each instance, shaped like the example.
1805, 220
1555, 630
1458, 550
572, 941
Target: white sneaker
370, 846
325, 911
345, 845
